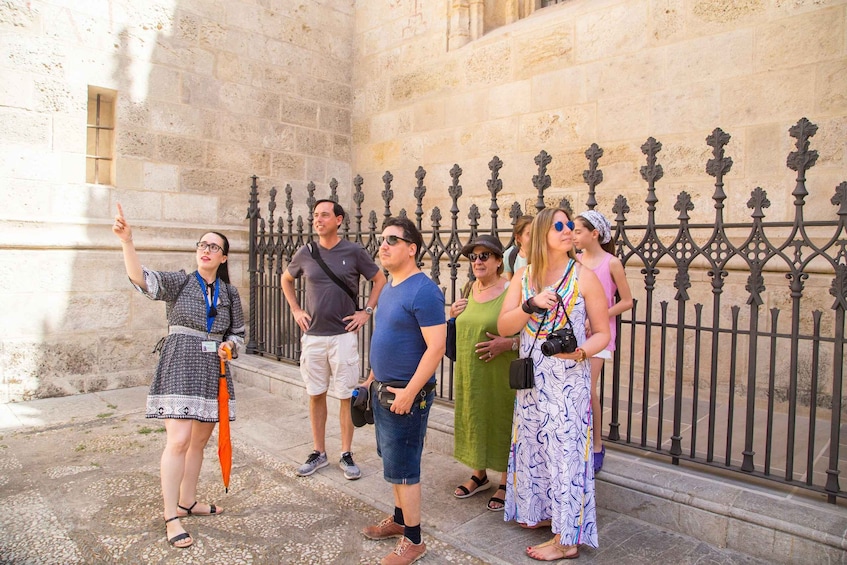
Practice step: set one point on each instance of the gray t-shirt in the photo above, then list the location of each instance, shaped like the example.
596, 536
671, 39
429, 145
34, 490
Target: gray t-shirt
326, 303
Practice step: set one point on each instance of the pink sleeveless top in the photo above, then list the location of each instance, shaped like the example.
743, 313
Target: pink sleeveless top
605, 275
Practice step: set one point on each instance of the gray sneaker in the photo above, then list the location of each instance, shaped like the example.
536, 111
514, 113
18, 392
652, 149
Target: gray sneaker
315, 461
351, 470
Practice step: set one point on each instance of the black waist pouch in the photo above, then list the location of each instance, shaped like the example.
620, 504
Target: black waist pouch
386, 398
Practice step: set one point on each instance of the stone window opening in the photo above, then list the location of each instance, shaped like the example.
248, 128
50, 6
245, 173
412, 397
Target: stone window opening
100, 136
471, 19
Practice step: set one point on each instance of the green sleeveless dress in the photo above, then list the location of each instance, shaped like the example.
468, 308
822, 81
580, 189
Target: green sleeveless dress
484, 403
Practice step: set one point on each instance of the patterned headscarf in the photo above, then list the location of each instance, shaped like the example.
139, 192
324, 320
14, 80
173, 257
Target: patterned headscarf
600, 223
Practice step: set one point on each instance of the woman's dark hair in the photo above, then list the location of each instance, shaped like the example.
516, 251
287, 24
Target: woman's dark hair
520, 224
410, 231
609, 246
223, 270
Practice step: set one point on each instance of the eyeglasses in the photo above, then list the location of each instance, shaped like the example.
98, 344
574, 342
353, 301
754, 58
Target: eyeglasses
559, 226
392, 240
210, 247
482, 256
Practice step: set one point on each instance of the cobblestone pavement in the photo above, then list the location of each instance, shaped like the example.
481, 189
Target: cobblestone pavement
79, 483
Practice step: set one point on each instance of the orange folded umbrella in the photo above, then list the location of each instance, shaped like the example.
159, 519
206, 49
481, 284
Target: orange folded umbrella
224, 441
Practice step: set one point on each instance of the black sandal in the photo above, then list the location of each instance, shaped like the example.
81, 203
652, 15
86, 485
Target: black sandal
498, 500
212, 510
178, 537
481, 485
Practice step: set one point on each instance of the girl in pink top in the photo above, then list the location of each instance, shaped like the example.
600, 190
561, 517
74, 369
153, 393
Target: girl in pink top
592, 234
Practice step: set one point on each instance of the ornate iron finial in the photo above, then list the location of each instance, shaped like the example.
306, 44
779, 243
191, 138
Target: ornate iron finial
802, 160
515, 212
683, 206
541, 180
272, 202
333, 189
718, 165
253, 203
652, 171
565, 204
838, 289
420, 192
620, 208
387, 194
358, 198
840, 199
592, 175
310, 200
758, 200
495, 185
289, 200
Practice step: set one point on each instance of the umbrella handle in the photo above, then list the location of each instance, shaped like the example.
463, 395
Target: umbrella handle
223, 362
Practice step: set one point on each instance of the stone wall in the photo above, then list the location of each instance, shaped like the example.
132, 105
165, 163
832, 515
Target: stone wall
208, 93
614, 72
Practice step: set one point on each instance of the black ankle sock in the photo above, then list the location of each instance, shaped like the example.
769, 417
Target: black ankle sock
398, 516
413, 533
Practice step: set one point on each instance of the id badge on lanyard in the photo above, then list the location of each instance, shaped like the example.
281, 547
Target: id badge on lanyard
207, 345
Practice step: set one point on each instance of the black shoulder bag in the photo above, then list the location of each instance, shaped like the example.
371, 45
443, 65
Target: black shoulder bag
522, 370
316, 255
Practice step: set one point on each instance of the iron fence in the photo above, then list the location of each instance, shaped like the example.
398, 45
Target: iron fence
704, 372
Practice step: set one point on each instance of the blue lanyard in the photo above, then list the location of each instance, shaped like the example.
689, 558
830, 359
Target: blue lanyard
209, 304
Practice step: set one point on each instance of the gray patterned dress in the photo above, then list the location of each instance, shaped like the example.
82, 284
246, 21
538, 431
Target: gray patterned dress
186, 381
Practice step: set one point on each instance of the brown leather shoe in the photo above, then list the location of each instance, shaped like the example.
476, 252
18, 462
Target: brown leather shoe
388, 528
405, 552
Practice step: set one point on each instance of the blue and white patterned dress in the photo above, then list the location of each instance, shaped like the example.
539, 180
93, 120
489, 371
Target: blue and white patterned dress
550, 473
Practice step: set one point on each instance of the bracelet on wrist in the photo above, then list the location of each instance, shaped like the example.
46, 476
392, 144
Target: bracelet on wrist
531, 308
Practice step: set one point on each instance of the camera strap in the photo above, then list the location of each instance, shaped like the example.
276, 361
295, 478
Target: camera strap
561, 303
558, 302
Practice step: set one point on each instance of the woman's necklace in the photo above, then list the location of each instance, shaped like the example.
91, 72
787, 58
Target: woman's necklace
480, 288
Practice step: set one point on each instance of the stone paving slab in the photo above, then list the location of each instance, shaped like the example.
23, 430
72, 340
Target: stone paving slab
79, 483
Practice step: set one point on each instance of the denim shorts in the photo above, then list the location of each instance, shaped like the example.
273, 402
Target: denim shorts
400, 439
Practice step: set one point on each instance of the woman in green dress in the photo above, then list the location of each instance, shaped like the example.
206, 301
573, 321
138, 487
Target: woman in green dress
484, 401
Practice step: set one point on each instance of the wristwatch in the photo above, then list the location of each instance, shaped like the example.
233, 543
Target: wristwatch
515, 344
369, 311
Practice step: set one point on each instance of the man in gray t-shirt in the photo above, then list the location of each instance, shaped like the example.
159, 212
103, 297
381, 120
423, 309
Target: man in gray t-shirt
330, 322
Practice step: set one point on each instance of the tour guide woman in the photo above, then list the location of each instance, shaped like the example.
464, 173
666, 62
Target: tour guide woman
550, 475
204, 318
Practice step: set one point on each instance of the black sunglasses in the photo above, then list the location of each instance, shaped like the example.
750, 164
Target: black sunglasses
392, 240
482, 256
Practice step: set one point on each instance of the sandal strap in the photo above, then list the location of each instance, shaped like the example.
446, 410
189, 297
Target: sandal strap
464, 489
188, 510
171, 519
479, 482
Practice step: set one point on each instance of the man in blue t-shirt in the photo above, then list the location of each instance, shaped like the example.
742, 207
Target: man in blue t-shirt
330, 324
410, 333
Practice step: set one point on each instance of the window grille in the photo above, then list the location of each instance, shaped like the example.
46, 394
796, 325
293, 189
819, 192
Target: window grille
100, 136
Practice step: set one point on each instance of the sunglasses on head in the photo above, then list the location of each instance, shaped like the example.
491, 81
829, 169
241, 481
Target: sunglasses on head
481, 256
559, 226
392, 240
211, 247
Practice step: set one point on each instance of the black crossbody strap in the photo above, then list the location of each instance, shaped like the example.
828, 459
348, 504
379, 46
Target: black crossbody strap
316, 255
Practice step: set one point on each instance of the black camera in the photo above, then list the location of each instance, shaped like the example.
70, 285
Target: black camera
559, 341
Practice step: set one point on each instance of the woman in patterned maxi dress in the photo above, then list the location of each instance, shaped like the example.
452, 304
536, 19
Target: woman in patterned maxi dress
550, 469
204, 318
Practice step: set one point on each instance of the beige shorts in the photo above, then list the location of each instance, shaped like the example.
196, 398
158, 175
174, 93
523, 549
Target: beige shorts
325, 358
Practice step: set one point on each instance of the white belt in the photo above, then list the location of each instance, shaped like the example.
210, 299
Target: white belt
197, 333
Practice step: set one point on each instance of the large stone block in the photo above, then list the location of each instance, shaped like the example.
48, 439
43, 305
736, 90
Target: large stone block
287, 165
299, 112
179, 119
189, 207
20, 126
831, 86
136, 143
209, 182
16, 90
180, 150
237, 157
335, 120
613, 31
160, 177
540, 51
816, 36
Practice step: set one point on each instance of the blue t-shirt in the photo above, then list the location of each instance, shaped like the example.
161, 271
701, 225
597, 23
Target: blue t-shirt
397, 345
